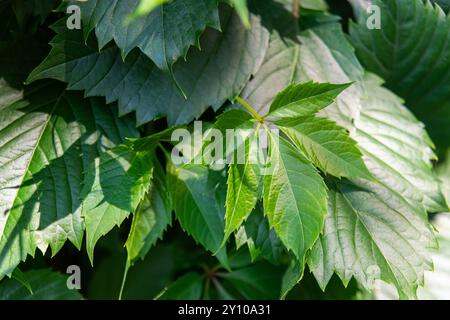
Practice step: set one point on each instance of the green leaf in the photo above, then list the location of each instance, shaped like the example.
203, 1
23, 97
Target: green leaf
139, 86
47, 284
188, 287
242, 187
373, 235
260, 281
327, 145
114, 186
164, 35
22, 278
304, 99
396, 148
412, 53
48, 140
198, 195
259, 238
295, 197
153, 216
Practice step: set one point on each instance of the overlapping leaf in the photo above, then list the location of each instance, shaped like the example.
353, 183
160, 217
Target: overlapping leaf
164, 35
48, 139
114, 186
411, 50
151, 218
209, 78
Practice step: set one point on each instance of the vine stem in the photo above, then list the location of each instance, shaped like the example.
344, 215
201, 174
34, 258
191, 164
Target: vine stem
249, 108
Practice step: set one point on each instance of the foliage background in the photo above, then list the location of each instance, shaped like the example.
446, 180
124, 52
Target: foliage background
414, 66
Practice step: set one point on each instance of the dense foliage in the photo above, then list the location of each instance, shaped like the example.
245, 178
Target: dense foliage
356, 122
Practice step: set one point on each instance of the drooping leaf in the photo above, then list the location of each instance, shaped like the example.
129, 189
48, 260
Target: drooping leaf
188, 287
114, 186
139, 86
411, 50
242, 186
164, 35
46, 284
373, 235
327, 145
295, 197
198, 195
48, 140
259, 238
151, 218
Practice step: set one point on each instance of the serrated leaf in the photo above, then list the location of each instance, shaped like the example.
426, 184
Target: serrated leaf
304, 99
259, 238
327, 145
242, 187
47, 284
295, 197
198, 195
373, 235
411, 50
396, 148
139, 86
164, 35
153, 216
113, 187
187, 287
48, 139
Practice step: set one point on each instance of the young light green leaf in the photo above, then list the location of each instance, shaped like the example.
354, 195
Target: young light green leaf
146, 6
114, 186
304, 99
295, 197
327, 145
242, 187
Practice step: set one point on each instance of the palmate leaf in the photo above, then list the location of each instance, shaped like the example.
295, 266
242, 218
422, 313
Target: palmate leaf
327, 145
411, 50
152, 217
48, 140
294, 197
373, 235
164, 35
138, 85
326, 56
46, 284
187, 287
114, 186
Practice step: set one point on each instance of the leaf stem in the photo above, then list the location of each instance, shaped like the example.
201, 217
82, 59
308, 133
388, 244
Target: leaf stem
249, 108
296, 9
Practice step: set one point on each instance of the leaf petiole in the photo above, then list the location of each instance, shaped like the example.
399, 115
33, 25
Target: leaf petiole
250, 109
